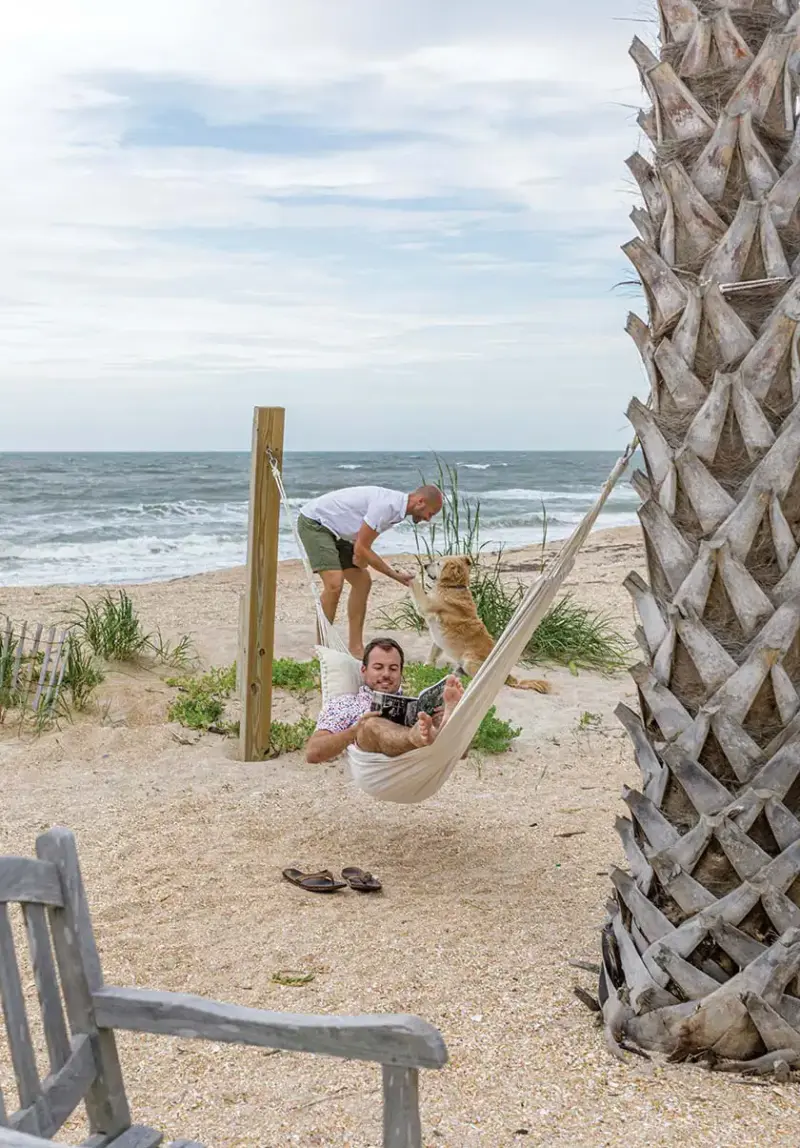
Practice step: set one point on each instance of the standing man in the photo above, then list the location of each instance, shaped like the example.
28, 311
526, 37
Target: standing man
338, 531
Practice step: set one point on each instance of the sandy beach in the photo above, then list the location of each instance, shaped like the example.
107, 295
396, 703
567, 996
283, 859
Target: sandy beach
489, 889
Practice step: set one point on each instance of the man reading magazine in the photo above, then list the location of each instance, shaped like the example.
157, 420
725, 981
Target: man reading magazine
347, 719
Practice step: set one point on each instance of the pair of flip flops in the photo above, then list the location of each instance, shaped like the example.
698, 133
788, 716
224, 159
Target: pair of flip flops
325, 882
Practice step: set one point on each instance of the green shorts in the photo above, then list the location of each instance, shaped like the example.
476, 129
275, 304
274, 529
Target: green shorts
325, 551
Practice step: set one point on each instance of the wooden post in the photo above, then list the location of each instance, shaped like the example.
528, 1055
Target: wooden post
257, 633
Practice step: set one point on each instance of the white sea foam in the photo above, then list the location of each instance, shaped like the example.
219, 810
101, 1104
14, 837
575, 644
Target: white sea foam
623, 493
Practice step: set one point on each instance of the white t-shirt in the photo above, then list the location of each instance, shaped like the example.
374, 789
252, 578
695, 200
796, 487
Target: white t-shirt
344, 511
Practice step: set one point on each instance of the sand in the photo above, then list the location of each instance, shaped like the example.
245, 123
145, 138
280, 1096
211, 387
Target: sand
489, 889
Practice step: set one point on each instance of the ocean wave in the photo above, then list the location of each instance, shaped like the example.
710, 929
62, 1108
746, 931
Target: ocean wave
523, 494
164, 519
102, 523
151, 557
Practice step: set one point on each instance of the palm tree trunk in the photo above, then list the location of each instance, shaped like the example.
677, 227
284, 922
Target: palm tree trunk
701, 951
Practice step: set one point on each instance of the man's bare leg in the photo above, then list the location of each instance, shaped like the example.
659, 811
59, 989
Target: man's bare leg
377, 735
360, 586
332, 583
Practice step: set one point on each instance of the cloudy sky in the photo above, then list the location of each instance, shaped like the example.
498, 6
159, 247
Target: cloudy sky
398, 218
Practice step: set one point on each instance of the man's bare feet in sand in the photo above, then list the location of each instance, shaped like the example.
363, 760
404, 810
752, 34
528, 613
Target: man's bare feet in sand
426, 729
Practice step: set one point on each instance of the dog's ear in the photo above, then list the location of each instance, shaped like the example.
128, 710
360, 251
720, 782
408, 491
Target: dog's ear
468, 560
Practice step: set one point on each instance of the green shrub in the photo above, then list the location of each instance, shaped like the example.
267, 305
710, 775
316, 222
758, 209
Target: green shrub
494, 734
288, 674
417, 676
288, 737
201, 700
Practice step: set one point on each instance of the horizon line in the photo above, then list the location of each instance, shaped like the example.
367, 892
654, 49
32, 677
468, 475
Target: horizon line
296, 450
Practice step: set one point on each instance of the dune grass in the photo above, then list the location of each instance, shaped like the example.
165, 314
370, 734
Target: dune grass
82, 675
113, 630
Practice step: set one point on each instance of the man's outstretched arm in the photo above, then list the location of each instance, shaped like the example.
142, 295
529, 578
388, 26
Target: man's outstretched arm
364, 556
323, 745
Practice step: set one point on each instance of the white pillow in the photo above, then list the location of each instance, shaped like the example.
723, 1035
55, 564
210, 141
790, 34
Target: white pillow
339, 673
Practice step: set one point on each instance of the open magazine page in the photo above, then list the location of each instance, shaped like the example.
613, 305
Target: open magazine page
404, 710
432, 699
394, 707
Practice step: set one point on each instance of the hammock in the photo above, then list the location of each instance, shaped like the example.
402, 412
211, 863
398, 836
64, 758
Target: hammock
420, 773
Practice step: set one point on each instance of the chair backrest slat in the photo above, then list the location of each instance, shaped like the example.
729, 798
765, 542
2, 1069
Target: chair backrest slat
16, 1018
80, 972
61, 1092
26, 879
44, 974
65, 965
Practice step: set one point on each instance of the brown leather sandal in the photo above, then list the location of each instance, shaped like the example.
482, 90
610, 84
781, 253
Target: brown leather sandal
322, 882
361, 881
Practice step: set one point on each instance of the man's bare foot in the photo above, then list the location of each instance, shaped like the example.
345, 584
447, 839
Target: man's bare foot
423, 733
453, 693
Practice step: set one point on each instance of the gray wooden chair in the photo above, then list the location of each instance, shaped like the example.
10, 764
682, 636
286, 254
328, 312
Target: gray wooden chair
82, 1051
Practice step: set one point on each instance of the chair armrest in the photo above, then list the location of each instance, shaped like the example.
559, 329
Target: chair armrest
10, 1138
404, 1041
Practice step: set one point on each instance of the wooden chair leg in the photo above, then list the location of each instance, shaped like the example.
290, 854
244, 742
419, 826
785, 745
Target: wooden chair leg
401, 1126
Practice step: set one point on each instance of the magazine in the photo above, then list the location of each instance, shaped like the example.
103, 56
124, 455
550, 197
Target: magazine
405, 710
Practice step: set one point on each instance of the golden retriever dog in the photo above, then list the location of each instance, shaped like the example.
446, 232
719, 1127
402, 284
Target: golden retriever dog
452, 619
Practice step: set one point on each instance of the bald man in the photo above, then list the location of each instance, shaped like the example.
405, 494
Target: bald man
338, 531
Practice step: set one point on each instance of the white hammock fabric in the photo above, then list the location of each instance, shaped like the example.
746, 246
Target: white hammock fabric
420, 773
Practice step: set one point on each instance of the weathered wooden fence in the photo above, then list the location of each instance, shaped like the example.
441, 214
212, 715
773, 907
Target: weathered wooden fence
32, 664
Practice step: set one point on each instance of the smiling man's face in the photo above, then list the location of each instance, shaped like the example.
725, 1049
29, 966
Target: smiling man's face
383, 671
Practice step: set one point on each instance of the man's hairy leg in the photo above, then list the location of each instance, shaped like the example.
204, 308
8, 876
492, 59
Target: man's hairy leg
332, 583
377, 735
360, 586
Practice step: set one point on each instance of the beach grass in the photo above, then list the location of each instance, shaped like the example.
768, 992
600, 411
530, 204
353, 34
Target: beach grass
113, 630
82, 674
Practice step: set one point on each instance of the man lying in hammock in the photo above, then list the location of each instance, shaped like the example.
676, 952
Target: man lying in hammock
346, 719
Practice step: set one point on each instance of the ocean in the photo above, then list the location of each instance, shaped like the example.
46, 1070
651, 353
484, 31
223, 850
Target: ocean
91, 518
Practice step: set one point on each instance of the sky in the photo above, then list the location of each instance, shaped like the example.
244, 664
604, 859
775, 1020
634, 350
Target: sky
399, 220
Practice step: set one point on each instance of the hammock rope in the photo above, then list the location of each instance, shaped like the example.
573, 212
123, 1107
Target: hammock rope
414, 776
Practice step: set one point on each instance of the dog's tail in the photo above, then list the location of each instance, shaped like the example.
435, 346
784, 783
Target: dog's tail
538, 685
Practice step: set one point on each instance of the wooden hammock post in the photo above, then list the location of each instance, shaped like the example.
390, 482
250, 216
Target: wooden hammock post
257, 618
